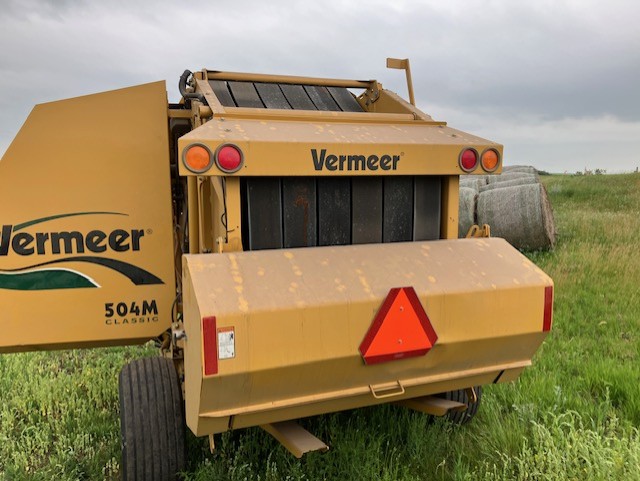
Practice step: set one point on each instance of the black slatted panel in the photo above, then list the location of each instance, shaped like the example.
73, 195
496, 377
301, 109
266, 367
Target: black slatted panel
397, 209
264, 212
334, 211
321, 98
309, 211
245, 95
222, 92
284, 96
344, 99
299, 211
426, 205
272, 97
366, 201
297, 97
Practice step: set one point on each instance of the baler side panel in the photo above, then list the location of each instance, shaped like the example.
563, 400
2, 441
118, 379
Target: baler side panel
86, 250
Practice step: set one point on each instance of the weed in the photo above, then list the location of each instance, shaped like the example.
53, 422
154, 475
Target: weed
573, 415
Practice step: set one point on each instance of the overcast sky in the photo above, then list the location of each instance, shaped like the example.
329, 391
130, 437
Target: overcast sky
557, 82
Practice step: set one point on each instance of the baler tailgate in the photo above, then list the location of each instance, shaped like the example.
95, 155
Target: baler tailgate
299, 318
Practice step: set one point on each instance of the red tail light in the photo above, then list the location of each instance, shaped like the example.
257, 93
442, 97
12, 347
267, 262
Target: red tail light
468, 160
229, 158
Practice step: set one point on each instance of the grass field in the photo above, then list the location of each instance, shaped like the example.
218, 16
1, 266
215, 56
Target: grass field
574, 415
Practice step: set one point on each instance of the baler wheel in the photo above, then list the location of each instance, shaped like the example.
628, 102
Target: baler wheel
460, 395
152, 425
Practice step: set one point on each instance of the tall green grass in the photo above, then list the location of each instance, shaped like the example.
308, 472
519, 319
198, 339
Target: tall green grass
573, 415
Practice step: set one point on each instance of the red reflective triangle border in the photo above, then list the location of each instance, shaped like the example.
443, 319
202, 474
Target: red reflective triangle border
427, 342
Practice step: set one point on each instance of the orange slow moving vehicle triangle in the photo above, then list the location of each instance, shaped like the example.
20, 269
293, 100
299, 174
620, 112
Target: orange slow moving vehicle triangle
400, 329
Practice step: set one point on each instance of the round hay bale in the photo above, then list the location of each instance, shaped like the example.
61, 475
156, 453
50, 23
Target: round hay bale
520, 168
475, 182
521, 214
509, 183
511, 176
466, 210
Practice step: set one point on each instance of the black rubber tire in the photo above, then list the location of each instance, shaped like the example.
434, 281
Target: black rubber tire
462, 417
152, 425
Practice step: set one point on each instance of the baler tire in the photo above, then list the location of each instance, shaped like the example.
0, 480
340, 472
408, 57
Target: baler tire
460, 395
152, 425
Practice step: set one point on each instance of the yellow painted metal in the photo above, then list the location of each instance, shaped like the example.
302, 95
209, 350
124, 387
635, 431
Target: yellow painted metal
433, 405
325, 116
280, 146
295, 438
403, 64
450, 204
299, 316
471, 395
476, 231
388, 101
213, 102
85, 188
101, 164
271, 138
286, 79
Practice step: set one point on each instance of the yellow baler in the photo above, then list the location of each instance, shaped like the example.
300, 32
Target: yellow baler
291, 242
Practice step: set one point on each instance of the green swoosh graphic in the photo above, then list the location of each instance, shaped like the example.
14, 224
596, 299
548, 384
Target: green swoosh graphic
46, 279
136, 274
60, 216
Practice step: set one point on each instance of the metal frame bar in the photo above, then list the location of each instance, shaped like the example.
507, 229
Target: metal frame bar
250, 77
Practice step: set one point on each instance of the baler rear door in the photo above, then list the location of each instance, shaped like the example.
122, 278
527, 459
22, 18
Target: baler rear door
287, 333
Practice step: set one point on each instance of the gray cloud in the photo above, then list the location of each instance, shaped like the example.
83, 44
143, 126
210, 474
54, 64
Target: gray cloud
476, 63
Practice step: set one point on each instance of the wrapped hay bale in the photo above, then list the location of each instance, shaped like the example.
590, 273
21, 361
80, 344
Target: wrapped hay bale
475, 182
509, 183
520, 168
466, 210
520, 214
511, 176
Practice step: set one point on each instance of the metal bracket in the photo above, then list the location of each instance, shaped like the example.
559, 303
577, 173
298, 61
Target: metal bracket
472, 397
371, 94
476, 232
432, 405
403, 64
296, 439
382, 391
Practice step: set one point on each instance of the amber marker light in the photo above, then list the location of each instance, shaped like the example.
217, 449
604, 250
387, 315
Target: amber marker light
490, 160
197, 158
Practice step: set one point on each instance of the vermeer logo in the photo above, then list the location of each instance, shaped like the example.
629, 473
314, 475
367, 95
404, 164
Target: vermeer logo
353, 162
69, 245
41, 243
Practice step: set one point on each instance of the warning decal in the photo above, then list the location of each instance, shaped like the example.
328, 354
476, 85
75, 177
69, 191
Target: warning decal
226, 343
400, 329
